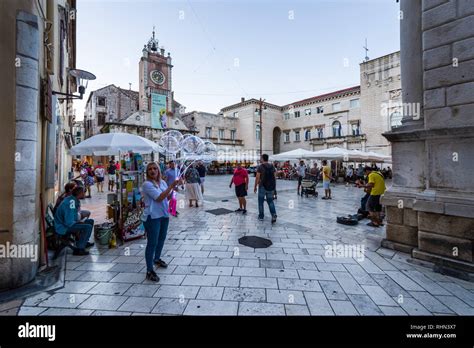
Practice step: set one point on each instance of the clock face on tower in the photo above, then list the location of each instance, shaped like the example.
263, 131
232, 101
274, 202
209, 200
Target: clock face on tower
157, 77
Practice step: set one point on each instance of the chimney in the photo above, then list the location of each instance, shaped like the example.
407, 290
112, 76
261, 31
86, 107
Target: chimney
242, 99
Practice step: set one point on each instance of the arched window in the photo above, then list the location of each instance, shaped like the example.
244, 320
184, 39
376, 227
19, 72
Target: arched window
395, 120
336, 129
257, 132
355, 128
307, 135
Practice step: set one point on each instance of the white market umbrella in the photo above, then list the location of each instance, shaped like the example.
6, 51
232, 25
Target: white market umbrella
109, 144
293, 155
358, 155
377, 157
333, 153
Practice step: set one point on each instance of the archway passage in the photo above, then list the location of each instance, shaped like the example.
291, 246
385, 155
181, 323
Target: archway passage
276, 140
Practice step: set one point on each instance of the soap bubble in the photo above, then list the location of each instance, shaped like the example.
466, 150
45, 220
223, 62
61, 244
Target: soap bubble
185, 136
192, 145
169, 143
209, 148
175, 134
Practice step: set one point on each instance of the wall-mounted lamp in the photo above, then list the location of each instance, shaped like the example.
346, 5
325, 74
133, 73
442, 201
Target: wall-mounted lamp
82, 79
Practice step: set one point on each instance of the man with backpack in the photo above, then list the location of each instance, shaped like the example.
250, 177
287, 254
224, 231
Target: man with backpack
266, 183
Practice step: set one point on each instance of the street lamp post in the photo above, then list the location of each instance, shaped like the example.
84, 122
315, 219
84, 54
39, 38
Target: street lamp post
259, 110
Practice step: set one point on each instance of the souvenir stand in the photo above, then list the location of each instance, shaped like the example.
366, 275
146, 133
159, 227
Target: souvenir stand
128, 205
124, 207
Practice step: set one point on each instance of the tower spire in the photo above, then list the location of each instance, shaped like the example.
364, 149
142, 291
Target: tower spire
366, 48
153, 42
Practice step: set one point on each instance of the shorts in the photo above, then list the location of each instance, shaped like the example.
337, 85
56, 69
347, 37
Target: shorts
112, 177
100, 179
373, 203
240, 191
203, 179
326, 185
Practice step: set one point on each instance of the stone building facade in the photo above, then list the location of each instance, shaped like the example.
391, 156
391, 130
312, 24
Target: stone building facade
352, 118
380, 100
331, 119
430, 207
221, 130
108, 104
36, 131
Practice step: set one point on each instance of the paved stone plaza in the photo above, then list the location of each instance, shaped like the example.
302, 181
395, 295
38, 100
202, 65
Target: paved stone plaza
210, 273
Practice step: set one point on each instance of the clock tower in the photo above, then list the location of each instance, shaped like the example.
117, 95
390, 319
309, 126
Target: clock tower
155, 77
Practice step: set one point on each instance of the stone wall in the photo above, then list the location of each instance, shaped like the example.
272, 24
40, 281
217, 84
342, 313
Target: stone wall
430, 207
24, 230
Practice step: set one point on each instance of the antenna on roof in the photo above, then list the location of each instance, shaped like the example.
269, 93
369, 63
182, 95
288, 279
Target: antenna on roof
366, 50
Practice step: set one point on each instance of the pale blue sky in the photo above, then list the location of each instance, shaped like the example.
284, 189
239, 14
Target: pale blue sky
279, 58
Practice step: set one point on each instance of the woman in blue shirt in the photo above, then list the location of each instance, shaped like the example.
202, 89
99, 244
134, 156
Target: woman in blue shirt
155, 217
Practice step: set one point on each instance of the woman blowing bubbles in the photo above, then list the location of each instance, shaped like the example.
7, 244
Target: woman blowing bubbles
155, 217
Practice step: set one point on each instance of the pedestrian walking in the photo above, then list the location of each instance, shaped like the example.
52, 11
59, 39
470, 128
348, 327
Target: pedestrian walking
266, 183
241, 181
87, 176
193, 186
111, 172
349, 174
170, 176
99, 175
327, 177
301, 171
155, 217
201, 168
314, 172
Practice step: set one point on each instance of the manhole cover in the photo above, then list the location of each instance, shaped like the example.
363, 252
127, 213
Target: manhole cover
219, 211
255, 242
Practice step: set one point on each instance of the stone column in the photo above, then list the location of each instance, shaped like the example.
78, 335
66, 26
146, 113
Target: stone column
408, 152
411, 54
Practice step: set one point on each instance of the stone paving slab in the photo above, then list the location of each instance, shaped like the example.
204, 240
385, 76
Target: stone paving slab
210, 273
202, 307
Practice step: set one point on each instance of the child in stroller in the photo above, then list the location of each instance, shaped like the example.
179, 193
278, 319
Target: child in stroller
308, 185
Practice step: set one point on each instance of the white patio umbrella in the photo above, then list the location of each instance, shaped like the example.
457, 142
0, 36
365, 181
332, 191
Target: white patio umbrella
110, 144
377, 157
293, 155
358, 155
333, 153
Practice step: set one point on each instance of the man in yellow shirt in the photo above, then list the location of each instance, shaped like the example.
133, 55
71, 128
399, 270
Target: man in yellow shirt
326, 179
376, 187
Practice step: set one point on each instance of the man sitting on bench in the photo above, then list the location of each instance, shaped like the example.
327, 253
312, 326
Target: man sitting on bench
67, 220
